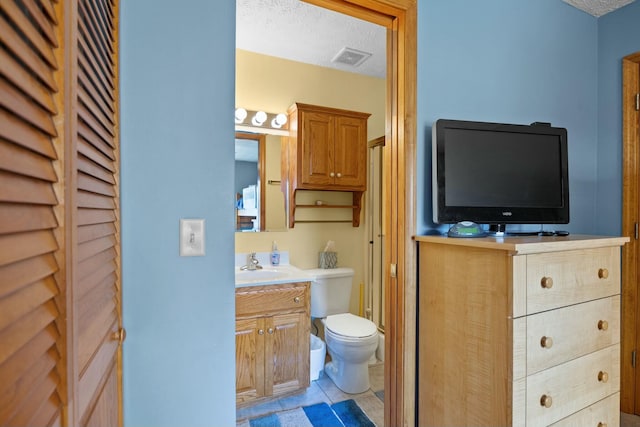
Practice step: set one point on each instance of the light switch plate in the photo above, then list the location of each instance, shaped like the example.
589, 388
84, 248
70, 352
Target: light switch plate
192, 237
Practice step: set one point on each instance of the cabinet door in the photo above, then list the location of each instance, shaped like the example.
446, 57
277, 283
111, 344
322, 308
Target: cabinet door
250, 359
317, 151
287, 353
350, 148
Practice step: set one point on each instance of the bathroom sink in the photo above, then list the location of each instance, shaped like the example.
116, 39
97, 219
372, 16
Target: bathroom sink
270, 275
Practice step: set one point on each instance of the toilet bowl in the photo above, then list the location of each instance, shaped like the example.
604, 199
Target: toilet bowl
351, 340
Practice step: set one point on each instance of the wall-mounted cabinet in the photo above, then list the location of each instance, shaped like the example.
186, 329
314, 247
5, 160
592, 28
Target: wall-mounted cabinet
326, 151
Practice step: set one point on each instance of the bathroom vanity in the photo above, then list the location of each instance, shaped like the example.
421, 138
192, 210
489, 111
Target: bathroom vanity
519, 331
272, 340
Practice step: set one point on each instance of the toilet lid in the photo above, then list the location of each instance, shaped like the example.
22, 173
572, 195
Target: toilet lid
349, 325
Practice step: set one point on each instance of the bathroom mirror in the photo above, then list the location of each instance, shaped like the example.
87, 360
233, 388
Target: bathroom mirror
260, 203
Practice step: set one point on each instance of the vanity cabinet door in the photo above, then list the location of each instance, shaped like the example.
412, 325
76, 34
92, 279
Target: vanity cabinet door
250, 341
316, 141
287, 350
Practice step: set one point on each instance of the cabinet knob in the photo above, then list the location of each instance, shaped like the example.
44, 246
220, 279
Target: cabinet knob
603, 325
332, 174
120, 335
270, 331
603, 377
603, 273
546, 401
546, 282
260, 331
546, 342
296, 300
339, 175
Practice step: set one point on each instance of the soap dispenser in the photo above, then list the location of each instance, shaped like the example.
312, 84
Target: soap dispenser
275, 255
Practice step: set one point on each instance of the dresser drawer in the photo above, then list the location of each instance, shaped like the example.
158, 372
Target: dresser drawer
559, 335
556, 279
604, 413
289, 297
572, 386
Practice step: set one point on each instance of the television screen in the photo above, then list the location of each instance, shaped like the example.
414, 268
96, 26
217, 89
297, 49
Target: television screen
496, 173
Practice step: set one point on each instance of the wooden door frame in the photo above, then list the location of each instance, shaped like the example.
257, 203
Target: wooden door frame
629, 380
400, 18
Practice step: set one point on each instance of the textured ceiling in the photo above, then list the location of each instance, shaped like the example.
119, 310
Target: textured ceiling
298, 31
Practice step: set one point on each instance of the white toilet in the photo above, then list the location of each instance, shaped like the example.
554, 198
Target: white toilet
351, 340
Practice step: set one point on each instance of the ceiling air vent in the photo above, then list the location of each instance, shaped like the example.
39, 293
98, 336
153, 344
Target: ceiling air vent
349, 56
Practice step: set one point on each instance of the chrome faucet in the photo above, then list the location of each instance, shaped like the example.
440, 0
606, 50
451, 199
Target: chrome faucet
252, 263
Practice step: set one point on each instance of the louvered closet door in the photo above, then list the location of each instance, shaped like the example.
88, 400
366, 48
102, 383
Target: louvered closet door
95, 253
59, 229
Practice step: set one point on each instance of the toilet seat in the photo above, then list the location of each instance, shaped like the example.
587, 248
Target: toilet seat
350, 326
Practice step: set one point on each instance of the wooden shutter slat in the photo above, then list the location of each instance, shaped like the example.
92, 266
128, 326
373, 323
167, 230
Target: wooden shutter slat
44, 24
93, 185
48, 412
25, 162
90, 104
91, 168
93, 93
93, 329
18, 334
103, 277
20, 390
94, 69
28, 355
93, 247
21, 133
95, 216
19, 246
88, 77
93, 377
30, 32
22, 106
92, 232
89, 151
47, 7
21, 273
21, 78
19, 218
94, 201
103, 260
21, 189
20, 49
93, 131
39, 397
18, 304
102, 21
91, 31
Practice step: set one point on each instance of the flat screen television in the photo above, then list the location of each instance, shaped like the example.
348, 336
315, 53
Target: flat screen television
498, 174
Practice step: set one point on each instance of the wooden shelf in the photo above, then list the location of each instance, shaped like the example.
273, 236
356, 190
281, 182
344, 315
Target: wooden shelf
327, 206
356, 207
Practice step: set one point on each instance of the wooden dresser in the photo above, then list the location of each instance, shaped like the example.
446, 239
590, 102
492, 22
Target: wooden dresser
521, 331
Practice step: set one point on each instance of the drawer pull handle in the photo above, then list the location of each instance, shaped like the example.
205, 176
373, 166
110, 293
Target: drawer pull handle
260, 331
603, 325
546, 282
603, 377
603, 273
546, 401
270, 331
546, 342
296, 300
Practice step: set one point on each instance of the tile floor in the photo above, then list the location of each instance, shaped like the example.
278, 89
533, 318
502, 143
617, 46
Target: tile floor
323, 390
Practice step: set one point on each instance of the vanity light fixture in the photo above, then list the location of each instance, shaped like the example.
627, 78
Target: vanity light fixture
273, 123
259, 118
279, 120
240, 115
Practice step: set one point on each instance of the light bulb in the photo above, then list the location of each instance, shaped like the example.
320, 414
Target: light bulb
259, 118
240, 115
278, 121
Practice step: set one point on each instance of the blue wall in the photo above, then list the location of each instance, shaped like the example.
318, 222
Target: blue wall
618, 36
177, 98
511, 62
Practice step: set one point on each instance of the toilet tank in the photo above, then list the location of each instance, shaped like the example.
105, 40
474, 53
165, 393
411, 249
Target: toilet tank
330, 290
